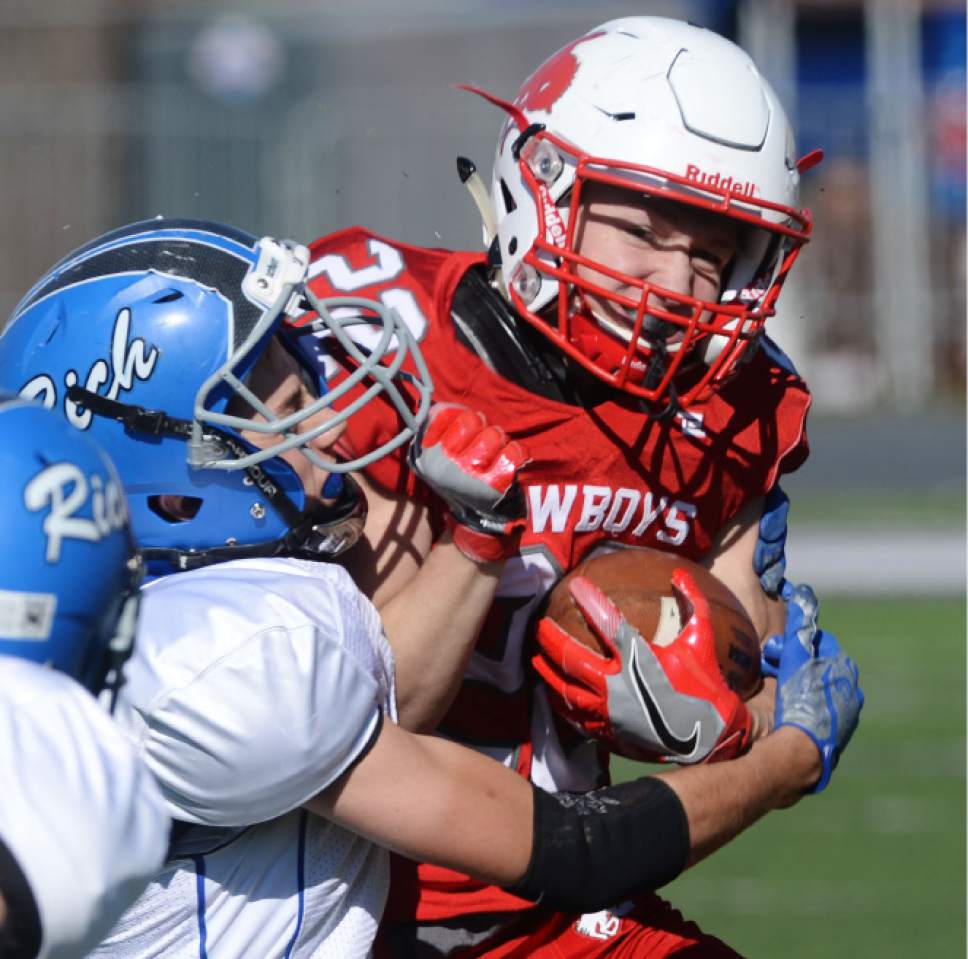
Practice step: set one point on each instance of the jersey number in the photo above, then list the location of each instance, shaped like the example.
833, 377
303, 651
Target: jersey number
385, 264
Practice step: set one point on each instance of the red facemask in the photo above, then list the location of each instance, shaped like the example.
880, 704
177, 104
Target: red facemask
675, 346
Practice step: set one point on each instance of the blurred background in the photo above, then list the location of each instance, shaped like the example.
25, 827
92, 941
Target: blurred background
299, 117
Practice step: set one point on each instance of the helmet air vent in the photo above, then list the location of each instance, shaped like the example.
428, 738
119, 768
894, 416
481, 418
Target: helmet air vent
169, 296
509, 205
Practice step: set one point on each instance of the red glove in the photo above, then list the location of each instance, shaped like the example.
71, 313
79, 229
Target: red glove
473, 467
666, 703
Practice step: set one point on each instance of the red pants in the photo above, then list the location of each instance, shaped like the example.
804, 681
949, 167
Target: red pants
645, 927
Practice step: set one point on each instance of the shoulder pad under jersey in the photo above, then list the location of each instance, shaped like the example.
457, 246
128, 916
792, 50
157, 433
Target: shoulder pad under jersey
488, 327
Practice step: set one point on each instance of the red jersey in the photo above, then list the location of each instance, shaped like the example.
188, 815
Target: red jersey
601, 476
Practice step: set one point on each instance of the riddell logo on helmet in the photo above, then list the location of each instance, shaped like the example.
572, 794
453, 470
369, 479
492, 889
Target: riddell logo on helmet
727, 183
554, 224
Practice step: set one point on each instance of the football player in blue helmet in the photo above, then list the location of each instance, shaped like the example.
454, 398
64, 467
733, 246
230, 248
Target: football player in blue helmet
150, 333
263, 692
83, 825
69, 572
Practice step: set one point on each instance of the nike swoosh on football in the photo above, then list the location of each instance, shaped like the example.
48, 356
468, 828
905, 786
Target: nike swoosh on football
670, 740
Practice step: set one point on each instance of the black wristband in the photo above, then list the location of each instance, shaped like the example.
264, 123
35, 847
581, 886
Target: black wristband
592, 850
20, 933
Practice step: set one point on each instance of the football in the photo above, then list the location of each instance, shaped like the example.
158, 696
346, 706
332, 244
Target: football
639, 583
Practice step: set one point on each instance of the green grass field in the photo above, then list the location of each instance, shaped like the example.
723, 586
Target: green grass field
875, 866
878, 508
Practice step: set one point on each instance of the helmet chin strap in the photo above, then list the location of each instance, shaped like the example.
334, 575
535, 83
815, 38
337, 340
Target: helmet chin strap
658, 360
658, 364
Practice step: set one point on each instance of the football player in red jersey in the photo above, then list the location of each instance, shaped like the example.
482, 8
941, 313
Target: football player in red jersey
643, 219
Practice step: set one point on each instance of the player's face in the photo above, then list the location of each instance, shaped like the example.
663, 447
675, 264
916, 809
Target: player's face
281, 383
682, 250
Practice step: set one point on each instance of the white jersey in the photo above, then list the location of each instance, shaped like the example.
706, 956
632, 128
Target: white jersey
79, 812
254, 685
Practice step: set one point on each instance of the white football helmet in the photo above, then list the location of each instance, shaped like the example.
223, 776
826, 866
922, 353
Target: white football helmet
666, 110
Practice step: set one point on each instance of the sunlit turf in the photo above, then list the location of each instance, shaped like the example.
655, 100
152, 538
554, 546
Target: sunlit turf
875, 866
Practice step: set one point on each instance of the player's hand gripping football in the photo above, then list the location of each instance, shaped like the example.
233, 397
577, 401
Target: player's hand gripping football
667, 703
473, 467
817, 687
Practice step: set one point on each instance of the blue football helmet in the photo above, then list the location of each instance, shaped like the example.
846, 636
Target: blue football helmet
69, 571
145, 336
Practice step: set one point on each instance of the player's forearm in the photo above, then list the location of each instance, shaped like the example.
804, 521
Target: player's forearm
761, 709
721, 800
432, 624
731, 560
605, 846
434, 801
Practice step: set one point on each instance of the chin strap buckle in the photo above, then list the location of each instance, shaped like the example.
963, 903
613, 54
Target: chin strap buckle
146, 421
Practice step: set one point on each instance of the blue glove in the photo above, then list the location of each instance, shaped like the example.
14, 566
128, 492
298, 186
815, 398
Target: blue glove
769, 557
817, 688
802, 607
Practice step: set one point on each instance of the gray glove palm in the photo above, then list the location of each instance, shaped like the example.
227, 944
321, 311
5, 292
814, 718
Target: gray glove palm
817, 683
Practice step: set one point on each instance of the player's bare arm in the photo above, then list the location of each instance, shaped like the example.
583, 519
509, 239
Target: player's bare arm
432, 602
395, 542
723, 800
432, 800
731, 560
433, 597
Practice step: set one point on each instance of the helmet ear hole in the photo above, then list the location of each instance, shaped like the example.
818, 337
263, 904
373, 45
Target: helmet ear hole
175, 509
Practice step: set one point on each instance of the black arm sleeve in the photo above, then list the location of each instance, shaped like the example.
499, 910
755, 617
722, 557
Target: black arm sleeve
20, 933
592, 850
